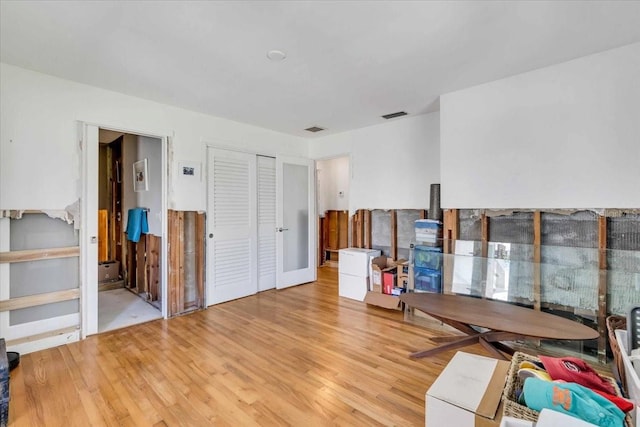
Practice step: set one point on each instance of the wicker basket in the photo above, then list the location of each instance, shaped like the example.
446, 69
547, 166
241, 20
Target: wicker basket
512, 408
617, 322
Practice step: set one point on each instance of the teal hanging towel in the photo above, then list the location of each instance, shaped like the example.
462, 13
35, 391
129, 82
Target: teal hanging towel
137, 224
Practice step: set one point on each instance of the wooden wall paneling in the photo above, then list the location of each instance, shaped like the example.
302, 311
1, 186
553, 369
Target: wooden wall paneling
103, 235
153, 267
321, 240
537, 259
450, 234
602, 289
141, 249
358, 243
484, 236
450, 231
180, 249
363, 231
343, 229
173, 263
484, 250
334, 235
113, 220
117, 246
354, 226
394, 234
332, 225
200, 257
423, 214
124, 264
368, 239
131, 265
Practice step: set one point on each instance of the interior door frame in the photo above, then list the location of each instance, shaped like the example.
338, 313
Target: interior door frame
89, 137
316, 183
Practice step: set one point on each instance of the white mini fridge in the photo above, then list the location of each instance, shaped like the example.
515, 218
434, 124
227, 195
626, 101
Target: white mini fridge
353, 271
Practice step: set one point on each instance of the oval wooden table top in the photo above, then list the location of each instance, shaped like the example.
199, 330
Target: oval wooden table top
499, 316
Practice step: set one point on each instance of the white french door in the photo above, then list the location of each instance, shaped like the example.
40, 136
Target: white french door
231, 225
295, 221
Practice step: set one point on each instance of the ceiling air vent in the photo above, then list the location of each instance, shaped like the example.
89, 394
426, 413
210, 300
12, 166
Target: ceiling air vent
394, 115
314, 129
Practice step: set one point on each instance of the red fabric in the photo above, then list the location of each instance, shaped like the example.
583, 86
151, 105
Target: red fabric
622, 403
572, 369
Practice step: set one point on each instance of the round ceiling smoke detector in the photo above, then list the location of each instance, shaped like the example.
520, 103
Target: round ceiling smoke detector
276, 55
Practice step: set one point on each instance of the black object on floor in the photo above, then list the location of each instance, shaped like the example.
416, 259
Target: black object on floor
4, 385
14, 359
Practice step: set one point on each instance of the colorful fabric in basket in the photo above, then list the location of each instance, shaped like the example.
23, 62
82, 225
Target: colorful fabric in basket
572, 399
531, 369
622, 403
524, 373
574, 370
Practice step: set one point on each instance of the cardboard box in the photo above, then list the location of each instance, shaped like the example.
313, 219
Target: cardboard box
402, 278
403, 267
391, 302
108, 271
380, 265
467, 393
402, 282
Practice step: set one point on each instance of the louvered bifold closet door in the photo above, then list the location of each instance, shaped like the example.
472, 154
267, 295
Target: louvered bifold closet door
266, 223
231, 203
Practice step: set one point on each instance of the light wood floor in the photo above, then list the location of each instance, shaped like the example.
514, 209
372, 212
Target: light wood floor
300, 356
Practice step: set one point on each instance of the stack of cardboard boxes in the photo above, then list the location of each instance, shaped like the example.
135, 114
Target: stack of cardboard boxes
388, 281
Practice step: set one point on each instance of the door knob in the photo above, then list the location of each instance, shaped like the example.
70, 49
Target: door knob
211, 235
282, 229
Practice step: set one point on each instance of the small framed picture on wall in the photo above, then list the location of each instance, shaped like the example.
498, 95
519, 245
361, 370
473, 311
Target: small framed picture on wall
140, 176
189, 170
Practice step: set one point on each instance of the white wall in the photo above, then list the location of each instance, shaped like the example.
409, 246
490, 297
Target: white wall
392, 164
333, 179
39, 156
565, 136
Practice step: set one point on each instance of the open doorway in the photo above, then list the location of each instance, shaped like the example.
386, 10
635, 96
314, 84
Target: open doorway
332, 185
129, 229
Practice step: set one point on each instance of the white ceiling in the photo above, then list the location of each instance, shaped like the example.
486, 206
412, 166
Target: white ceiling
347, 63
